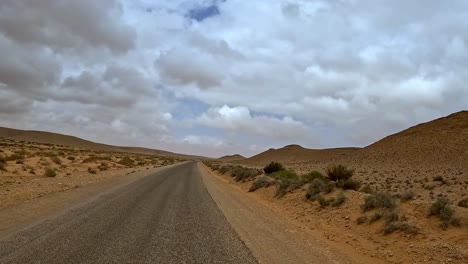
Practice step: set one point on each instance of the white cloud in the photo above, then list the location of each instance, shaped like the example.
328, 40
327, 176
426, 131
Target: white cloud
263, 73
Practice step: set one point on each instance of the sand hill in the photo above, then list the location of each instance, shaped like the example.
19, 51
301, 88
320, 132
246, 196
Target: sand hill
71, 141
444, 140
298, 154
228, 158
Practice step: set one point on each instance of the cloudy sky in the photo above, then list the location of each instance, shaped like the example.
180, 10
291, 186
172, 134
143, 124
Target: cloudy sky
217, 77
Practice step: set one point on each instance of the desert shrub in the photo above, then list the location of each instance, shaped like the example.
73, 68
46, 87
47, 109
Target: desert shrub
375, 217
224, 169
100, 158
49, 172
407, 195
463, 203
441, 208
318, 186
286, 185
15, 156
309, 177
284, 174
378, 200
56, 160
339, 173
361, 220
261, 182
405, 227
390, 216
272, 167
126, 161
349, 184
241, 174
367, 189
322, 201
339, 200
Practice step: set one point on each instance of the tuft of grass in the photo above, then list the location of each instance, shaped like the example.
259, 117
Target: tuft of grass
56, 160
322, 201
405, 227
309, 177
378, 200
126, 161
284, 174
318, 186
361, 220
49, 172
441, 208
272, 167
98, 158
367, 189
407, 195
261, 182
339, 200
349, 184
286, 185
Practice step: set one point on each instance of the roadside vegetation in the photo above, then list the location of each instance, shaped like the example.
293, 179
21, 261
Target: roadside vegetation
329, 190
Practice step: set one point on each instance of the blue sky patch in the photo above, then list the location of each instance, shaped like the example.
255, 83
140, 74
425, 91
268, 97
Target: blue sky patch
201, 13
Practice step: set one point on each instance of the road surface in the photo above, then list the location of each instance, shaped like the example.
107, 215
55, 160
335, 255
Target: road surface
166, 217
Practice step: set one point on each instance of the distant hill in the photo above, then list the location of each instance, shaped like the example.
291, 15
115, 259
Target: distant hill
298, 154
71, 141
444, 140
228, 158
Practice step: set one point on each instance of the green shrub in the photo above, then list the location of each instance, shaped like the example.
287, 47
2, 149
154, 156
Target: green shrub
318, 186
261, 182
286, 185
339, 200
349, 184
49, 172
284, 174
309, 177
339, 173
441, 208
391, 227
378, 200
463, 203
272, 167
243, 174
375, 217
406, 196
322, 201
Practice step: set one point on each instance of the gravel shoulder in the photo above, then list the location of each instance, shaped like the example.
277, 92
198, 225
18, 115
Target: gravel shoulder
271, 238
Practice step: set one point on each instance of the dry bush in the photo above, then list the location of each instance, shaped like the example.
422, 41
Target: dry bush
49, 172
378, 200
272, 167
261, 182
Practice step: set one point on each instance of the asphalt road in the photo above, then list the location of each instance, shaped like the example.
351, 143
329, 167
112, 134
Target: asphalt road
166, 217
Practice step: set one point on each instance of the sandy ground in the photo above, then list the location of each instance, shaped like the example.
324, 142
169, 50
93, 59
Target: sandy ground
24, 164
366, 243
